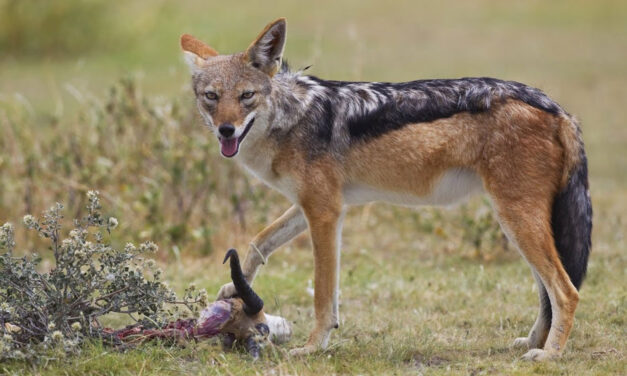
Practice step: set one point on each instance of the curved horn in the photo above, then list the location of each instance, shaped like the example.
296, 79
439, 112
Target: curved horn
252, 302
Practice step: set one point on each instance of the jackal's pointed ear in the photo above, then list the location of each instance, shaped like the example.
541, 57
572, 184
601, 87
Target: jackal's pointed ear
195, 52
266, 51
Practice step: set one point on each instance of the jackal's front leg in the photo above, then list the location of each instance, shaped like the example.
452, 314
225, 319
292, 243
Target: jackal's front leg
325, 220
282, 230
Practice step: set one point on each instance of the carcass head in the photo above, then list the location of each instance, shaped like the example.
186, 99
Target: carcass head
241, 318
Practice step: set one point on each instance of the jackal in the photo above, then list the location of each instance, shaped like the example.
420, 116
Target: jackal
327, 145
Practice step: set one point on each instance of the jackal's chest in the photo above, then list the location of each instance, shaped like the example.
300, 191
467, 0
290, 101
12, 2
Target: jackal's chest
261, 168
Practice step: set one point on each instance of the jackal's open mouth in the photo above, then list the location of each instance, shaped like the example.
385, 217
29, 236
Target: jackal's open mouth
230, 146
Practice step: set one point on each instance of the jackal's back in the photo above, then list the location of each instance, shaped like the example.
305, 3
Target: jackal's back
358, 111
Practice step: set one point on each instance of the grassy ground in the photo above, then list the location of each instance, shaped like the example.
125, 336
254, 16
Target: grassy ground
415, 297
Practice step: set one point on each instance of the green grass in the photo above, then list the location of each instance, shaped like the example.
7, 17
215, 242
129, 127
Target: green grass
414, 297
437, 315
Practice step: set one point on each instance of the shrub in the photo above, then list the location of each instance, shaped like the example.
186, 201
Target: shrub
160, 166
151, 158
55, 310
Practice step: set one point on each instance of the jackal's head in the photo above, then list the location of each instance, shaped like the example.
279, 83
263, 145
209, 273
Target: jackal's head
233, 91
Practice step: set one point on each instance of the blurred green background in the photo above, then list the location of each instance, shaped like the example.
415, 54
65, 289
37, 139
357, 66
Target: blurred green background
60, 62
94, 95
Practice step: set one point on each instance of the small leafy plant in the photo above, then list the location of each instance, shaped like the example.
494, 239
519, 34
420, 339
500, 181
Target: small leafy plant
56, 310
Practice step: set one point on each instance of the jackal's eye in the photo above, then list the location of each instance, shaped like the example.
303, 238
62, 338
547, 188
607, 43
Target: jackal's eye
211, 95
248, 94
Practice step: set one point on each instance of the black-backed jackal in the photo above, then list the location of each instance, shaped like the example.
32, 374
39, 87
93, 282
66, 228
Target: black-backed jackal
326, 145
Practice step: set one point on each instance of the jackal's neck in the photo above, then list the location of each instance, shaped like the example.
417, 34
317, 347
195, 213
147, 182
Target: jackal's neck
291, 99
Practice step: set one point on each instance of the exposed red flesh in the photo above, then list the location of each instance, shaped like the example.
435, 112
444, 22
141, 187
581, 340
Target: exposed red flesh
208, 325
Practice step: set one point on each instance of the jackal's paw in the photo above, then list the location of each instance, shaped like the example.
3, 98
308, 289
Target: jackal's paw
538, 355
521, 343
305, 350
527, 343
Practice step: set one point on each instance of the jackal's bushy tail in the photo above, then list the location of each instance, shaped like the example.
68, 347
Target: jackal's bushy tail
571, 218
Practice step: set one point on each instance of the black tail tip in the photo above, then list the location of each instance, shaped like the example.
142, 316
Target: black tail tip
229, 253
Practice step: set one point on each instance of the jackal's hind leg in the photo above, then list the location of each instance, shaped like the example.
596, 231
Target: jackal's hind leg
528, 222
540, 330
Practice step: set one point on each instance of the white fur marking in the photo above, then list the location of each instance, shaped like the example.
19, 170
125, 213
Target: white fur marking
338, 251
242, 126
193, 61
455, 185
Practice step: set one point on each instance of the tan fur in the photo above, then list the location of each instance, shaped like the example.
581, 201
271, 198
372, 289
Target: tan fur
193, 45
522, 155
230, 111
411, 159
570, 138
540, 330
321, 202
240, 324
516, 149
530, 226
273, 70
264, 31
260, 250
236, 77
522, 174
519, 153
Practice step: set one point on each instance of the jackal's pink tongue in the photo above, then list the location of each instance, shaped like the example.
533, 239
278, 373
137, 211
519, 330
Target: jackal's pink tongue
229, 146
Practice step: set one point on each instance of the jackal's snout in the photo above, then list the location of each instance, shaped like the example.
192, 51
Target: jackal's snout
226, 130
231, 137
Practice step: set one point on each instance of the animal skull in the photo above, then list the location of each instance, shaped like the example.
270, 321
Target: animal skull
242, 318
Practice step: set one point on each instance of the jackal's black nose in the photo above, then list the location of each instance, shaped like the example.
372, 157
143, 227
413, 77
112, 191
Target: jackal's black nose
226, 130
